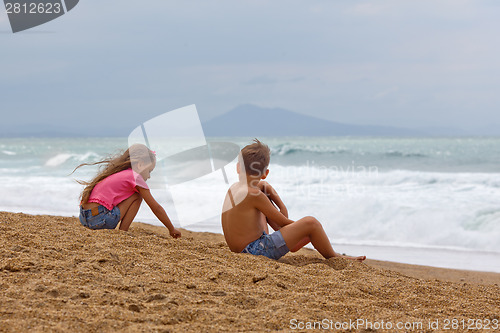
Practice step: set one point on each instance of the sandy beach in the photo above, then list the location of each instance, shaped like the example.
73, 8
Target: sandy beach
55, 275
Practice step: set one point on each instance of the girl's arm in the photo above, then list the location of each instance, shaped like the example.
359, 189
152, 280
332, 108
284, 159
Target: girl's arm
158, 210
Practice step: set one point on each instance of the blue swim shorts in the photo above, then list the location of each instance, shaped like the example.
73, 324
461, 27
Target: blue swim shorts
272, 246
105, 219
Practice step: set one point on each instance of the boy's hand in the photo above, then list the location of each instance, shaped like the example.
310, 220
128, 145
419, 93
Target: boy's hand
264, 187
273, 196
175, 233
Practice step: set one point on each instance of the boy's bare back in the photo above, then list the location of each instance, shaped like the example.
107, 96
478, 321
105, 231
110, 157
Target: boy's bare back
241, 220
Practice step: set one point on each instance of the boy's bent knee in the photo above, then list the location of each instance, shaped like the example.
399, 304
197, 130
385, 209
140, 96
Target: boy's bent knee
311, 221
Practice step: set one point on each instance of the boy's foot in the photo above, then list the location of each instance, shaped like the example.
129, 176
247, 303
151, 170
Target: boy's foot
360, 258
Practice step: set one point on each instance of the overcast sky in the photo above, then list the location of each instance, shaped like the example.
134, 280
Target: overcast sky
115, 63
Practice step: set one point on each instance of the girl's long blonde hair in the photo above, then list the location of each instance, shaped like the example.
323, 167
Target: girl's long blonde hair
128, 159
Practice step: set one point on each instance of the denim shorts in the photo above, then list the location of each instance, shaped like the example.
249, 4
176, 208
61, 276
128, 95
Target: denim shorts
272, 246
106, 219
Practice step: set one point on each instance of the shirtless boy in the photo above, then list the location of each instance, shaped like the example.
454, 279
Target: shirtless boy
252, 204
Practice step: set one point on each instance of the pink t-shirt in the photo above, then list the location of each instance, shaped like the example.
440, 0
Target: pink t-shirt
116, 188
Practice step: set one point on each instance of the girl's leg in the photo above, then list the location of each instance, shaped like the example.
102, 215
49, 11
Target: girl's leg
128, 210
294, 234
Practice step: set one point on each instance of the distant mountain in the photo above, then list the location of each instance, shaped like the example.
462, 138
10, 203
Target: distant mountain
245, 120
252, 120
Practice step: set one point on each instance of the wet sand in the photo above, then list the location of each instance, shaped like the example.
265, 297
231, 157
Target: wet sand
56, 275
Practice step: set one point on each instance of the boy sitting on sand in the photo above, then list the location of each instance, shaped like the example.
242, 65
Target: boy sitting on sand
249, 207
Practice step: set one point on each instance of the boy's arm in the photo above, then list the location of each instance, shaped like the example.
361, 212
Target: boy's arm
271, 193
273, 224
158, 210
264, 205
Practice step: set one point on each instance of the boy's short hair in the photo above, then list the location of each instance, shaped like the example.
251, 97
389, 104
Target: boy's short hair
256, 158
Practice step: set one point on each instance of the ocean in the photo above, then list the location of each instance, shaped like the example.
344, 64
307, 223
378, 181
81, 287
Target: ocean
428, 201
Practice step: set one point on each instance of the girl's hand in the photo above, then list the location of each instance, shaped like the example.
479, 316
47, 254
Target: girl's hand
175, 233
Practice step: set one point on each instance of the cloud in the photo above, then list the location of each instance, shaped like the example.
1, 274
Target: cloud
386, 92
3, 17
366, 9
416, 10
346, 61
264, 79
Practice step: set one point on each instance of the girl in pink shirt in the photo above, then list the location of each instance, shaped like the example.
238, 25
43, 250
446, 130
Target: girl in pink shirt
116, 193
